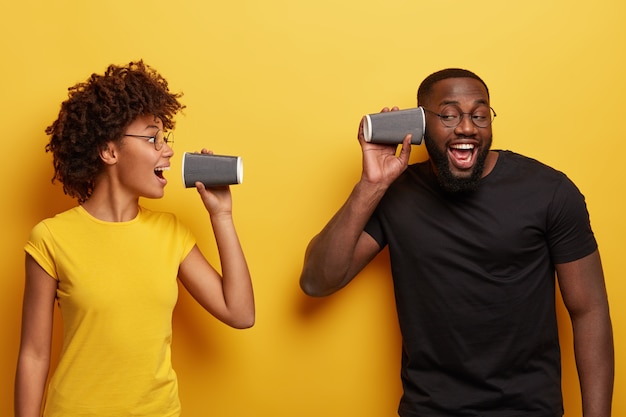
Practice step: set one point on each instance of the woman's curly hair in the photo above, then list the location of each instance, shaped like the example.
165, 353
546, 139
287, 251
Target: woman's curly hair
97, 112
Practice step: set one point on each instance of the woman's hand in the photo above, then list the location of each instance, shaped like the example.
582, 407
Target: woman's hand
217, 200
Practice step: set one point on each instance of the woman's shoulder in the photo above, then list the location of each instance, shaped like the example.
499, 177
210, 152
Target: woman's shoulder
68, 216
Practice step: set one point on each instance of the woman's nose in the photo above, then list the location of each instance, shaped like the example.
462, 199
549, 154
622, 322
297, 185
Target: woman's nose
167, 150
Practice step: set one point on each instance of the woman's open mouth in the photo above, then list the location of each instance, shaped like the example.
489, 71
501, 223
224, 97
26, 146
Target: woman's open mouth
158, 171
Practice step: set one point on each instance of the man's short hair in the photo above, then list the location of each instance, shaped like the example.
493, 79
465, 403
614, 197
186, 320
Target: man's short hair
426, 86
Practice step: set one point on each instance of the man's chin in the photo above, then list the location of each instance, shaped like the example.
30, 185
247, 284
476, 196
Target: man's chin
456, 181
461, 174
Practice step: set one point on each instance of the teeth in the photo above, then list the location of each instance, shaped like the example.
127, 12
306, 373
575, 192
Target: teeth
162, 169
463, 146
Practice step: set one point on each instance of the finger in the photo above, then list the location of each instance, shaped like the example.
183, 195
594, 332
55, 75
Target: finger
405, 151
360, 133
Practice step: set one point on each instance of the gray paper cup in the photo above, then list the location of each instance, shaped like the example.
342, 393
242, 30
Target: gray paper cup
211, 170
392, 126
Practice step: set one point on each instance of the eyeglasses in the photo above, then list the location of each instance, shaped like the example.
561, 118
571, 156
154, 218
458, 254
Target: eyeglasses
158, 140
452, 117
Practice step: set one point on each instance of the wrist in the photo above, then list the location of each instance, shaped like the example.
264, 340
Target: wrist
365, 197
221, 216
370, 190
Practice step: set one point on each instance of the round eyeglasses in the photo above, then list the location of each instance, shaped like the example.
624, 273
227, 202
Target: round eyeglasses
159, 139
452, 117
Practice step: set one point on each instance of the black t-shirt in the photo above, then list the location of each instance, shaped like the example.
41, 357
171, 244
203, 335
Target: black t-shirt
475, 289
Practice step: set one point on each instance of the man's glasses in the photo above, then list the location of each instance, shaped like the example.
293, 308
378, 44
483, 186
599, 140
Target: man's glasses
452, 117
158, 140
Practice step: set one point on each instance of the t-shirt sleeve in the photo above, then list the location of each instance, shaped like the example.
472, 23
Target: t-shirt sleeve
374, 228
189, 242
185, 239
569, 232
40, 246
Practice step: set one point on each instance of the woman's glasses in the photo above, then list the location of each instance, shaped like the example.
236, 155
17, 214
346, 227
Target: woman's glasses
159, 139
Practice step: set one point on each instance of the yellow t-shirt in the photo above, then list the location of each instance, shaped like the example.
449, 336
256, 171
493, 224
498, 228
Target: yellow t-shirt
116, 291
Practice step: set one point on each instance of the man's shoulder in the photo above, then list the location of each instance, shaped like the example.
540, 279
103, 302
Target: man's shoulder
524, 163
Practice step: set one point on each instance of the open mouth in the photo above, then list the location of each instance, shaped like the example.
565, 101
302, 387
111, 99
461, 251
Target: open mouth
462, 154
159, 171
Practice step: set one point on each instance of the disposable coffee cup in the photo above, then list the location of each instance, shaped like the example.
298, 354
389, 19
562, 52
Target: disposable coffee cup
211, 170
392, 126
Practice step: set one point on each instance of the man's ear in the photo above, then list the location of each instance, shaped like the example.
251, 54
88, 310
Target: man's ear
108, 153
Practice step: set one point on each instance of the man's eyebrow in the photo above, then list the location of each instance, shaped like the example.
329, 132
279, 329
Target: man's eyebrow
456, 102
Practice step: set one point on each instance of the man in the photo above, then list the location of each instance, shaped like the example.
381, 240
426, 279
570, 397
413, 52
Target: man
475, 238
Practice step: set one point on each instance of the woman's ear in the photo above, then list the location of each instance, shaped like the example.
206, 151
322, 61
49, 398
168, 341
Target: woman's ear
108, 153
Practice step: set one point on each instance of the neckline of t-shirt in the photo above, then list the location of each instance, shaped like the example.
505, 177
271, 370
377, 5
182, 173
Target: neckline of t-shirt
497, 168
85, 213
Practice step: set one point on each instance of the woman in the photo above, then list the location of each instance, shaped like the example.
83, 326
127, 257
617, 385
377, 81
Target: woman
112, 264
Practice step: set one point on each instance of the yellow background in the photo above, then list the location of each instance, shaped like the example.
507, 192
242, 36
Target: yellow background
283, 84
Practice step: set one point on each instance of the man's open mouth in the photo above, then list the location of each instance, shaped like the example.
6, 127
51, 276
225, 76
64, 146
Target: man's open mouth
462, 155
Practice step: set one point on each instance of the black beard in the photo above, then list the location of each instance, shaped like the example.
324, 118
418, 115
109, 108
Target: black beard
447, 180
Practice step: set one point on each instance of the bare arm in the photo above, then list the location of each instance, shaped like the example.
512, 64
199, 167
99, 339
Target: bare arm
584, 295
228, 297
342, 248
34, 354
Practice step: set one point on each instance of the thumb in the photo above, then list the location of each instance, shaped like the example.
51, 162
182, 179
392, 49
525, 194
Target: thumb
405, 151
200, 187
